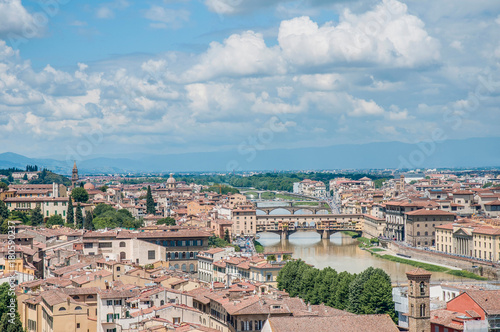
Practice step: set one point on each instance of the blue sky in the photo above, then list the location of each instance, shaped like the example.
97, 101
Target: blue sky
110, 78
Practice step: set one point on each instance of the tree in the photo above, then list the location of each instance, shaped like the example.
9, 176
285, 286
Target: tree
9, 322
70, 214
88, 223
340, 298
36, 217
356, 288
4, 211
226, 236
103, 188
150, 203
25, 177
78, 217
4, 226
55, 219
169, 221
80, 195
377, 296
102, 208
19, 215
10, 178
4, 186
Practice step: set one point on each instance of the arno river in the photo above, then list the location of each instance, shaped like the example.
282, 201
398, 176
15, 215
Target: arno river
340, 252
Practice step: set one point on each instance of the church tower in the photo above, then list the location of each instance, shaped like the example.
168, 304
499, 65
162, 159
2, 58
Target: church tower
74, 175
419, 301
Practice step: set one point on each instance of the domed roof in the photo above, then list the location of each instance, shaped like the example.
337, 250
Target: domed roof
171, 178
88, 186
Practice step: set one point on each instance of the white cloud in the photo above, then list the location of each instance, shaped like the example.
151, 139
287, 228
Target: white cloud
107, 10
104, 12
239, 55
456, 44
320, 81
15, 19
386, 35
166, 17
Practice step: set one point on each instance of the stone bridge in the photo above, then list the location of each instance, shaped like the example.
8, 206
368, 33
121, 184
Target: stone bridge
289, 206
325, 225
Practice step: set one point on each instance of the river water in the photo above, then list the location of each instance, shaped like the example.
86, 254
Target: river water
340, 252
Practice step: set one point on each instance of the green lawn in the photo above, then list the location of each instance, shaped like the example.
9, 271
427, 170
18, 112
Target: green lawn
432, 268
305, 204
376, 249
268, 195
287, 197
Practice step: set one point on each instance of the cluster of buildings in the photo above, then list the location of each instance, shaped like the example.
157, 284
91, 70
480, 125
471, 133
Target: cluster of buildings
310, 188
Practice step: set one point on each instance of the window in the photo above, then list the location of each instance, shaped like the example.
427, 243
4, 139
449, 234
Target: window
109, 302
422, 288
122, 244
118, 269
77, 325
422, 310
105, 245
62, 309
88, 245
78, 308
118, 302
151, 254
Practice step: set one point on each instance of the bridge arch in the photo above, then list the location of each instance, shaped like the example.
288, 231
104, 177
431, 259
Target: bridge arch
303, 211
279, 210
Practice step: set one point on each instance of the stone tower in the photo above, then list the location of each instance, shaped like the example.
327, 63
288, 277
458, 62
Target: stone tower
419, 311
402, 183
74, 175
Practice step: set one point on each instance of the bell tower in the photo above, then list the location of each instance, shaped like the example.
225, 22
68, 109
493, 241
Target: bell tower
74, 175
419, 315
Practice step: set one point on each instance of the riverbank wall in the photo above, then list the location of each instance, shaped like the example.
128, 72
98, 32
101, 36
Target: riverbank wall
483, 269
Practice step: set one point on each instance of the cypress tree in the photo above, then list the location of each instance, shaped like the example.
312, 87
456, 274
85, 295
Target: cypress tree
36, 217
70, 214
4, 210
89, 221
150, 203
78, 217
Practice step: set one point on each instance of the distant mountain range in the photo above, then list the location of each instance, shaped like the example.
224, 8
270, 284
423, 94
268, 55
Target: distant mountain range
473, 152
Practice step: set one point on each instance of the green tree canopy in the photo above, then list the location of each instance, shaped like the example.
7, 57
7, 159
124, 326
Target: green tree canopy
4, 186
55, 219
89, 221
102, 208
80, 195
150, 203
78, 217
36, 216
70, 214
169, 221
4, 210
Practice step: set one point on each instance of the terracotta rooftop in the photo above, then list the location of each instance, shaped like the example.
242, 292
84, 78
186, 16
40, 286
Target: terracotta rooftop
418, 272
347, 323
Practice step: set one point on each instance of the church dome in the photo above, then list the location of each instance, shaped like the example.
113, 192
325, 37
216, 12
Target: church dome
88, 186
171, 178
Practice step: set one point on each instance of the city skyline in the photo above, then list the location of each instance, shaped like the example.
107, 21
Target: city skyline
226, 75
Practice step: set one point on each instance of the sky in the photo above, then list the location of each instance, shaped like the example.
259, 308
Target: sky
114, 78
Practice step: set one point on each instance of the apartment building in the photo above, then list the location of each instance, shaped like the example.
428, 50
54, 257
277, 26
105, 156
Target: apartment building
244, 219
474, 240
420, 229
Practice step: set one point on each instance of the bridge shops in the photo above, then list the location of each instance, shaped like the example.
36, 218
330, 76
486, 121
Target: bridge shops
284, 225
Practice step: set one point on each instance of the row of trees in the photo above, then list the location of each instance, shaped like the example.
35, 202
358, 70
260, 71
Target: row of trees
368, 292
31, 168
